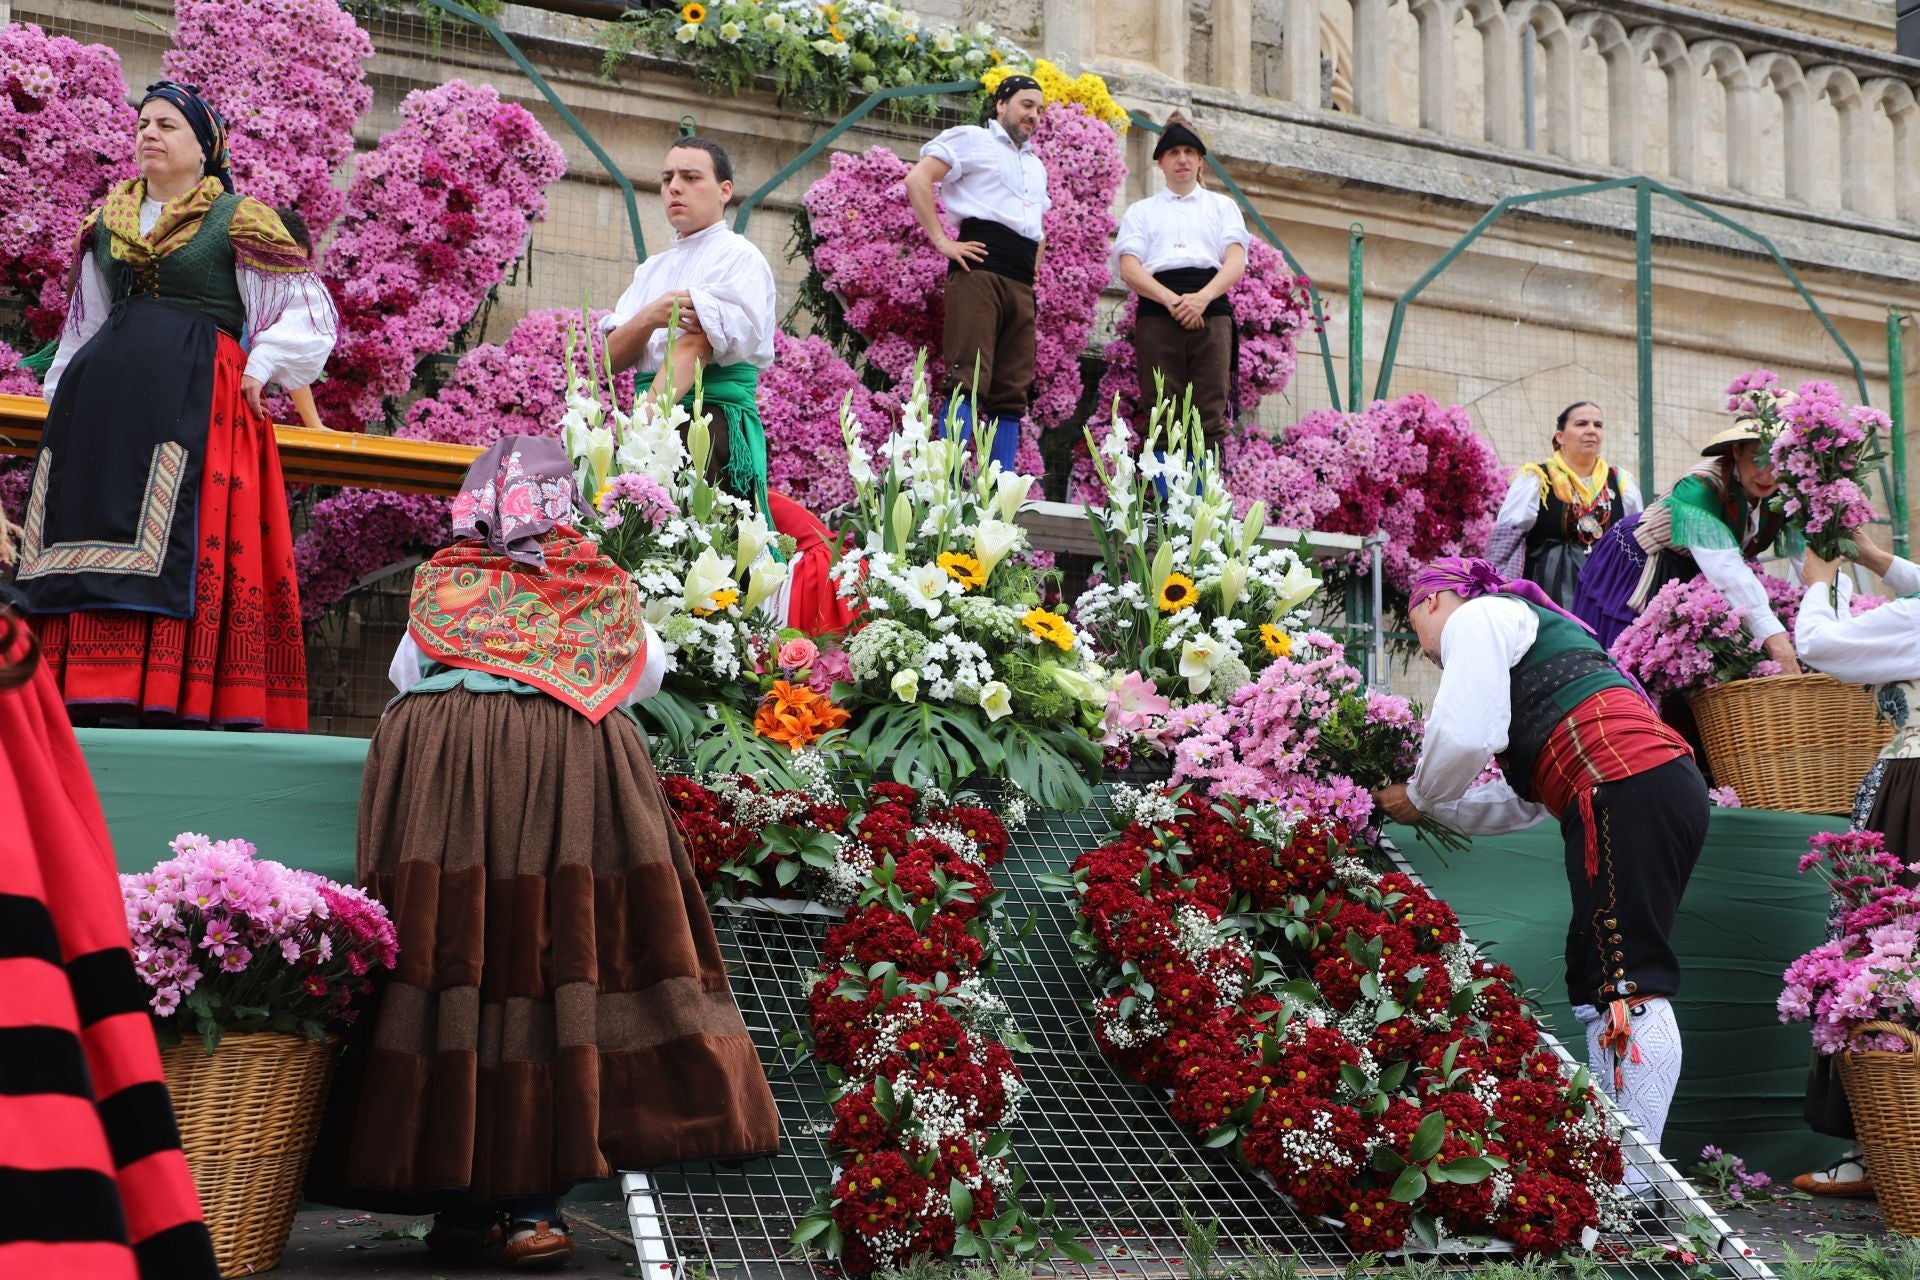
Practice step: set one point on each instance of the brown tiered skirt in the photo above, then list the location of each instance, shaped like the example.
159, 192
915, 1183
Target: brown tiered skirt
560, 1010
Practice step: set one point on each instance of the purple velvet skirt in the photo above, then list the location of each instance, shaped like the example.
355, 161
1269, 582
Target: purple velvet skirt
1612, 574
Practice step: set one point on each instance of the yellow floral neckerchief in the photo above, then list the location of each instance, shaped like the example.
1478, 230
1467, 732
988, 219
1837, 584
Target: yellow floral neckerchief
1559, 478
260, 239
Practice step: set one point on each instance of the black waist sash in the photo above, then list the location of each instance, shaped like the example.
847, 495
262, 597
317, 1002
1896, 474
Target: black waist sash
113, 507
1009, 253
1183, 281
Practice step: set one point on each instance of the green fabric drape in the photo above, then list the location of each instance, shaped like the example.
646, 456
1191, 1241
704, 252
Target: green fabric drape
1746, 916
733, 389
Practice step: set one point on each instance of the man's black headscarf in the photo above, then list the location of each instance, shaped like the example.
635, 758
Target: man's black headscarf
1005, 90
207, 126
1176, 134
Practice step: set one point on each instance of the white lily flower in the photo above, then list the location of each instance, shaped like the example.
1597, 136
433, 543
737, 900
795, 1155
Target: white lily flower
1010, 491
993, 540
906, 685
927, 586
707, 575
1198, 659
754, 539
996, 699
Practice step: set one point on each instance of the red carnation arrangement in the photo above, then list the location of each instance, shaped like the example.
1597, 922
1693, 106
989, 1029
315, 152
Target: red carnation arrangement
901, 1013
1403, 1089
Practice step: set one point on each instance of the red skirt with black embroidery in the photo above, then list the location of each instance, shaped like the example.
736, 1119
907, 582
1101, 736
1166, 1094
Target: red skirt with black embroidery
241, 659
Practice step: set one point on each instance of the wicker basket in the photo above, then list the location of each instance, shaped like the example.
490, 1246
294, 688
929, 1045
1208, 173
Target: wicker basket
249, 1115
1883, 1088
1800, 743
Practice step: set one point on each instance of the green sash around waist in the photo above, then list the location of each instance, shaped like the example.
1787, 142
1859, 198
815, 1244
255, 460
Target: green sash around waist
729, 390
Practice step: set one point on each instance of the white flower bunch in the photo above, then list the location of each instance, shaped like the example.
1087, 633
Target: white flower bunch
1194, 599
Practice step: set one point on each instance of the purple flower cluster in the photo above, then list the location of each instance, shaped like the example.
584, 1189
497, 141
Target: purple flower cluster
435, 216
1822, 450
515, 387
1269, 307
645, 496
1084, 172
800, 398
288, 76
66, 135
1688, 639
1412, 468
1307, 735
244, 943
357, 532
1869, 971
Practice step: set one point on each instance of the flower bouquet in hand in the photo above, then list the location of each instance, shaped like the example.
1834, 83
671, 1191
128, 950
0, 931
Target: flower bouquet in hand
1307, 736
708, 568
1688, 640
957, 668
1822, 450
228, 941
1192, 602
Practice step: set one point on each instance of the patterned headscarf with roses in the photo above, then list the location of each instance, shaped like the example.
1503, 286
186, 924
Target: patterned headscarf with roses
514, 494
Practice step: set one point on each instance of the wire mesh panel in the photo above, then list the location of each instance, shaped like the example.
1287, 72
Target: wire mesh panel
1121, 1174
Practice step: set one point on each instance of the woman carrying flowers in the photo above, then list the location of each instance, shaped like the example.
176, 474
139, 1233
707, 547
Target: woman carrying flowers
1714, 521
560, 1010
1524, 682
1880, 648
1555, 511
96, 1182
157, 546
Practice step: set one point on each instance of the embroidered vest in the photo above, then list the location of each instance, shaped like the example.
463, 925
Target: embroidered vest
199, 274
1899, 705
1564, 667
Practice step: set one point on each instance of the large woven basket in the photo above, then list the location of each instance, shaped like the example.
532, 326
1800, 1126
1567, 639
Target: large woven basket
1883, 1088
1799, 743
249, 1115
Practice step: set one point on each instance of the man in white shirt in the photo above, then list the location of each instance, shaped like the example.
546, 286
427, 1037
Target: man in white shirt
992, 182
1524, 682
723, 289
1180, 251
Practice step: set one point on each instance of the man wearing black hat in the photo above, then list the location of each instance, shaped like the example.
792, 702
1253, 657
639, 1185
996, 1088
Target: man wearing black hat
1180, 251
996, 187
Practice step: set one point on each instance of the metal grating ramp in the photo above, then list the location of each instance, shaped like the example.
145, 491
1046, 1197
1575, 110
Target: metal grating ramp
1120, 1172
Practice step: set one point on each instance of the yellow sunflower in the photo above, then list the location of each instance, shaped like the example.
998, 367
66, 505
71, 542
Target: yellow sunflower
839, 36
725, 598
693, 13
1050, 627
962, 568
1278, 642
1177, 594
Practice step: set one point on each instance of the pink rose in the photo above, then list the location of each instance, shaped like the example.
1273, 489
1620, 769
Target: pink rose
798, 654
516, 504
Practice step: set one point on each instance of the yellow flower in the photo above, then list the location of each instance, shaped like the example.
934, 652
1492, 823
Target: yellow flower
1278, 642
839, 36
693, 13
599, 497
962, 568
1177, 594
1050, 627
725, 598
911, 38
997, 59
1088, 90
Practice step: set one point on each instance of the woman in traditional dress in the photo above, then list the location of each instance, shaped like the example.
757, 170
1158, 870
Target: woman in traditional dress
560, 1011
1880, 648
1555, 511
1713, 522
96, 1185
157, 554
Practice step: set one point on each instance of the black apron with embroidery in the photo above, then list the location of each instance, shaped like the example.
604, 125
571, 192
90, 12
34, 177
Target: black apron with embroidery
112, 510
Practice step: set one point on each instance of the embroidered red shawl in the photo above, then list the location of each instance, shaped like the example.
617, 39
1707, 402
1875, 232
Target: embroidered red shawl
573, 630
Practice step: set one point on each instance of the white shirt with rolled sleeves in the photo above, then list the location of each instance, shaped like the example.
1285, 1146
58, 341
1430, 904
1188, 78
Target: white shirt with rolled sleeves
1471, 715
1881, 646
291, 351
733, 295
1167, 231
991, 179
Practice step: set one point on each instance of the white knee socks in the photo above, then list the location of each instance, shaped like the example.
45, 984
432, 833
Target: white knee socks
1642, 1078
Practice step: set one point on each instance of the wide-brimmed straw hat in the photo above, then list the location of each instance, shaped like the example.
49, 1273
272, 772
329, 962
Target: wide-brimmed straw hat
1739, 433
